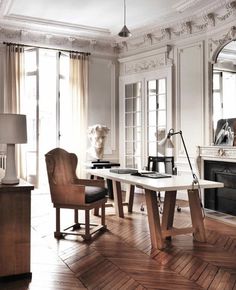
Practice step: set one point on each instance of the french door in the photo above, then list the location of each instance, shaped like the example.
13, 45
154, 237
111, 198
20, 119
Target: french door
145, 115
46, 84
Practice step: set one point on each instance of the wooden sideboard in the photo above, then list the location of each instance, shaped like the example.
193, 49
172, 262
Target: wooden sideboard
15, 215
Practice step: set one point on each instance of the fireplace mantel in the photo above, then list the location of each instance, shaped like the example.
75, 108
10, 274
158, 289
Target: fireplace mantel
216, 153
218, 163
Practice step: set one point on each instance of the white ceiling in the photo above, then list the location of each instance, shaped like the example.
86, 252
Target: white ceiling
96, 19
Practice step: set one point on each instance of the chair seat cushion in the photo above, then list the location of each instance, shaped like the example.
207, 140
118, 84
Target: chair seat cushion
94, 193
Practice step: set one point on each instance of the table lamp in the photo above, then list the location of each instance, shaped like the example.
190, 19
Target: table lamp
165, 147
12, 131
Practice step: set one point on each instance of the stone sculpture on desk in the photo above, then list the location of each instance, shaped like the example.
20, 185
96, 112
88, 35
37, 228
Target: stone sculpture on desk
97, 135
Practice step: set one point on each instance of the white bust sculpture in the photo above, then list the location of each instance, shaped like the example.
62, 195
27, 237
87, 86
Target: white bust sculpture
97, 136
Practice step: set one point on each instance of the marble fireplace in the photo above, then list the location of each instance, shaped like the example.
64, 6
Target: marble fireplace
218, 163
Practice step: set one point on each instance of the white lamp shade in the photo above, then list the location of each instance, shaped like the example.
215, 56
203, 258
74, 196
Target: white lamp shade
166, 147
13, 129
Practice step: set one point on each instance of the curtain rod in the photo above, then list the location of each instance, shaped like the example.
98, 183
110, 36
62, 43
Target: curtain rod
65, 50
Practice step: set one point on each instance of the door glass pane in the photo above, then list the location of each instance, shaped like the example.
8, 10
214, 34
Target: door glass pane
162, 118
152, 149
133, 124
152, 102
152, 86
152, 118
162, 102
151, 132
156, 113
162, 86
132, 104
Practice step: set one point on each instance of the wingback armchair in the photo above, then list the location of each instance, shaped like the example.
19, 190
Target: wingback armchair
68, 191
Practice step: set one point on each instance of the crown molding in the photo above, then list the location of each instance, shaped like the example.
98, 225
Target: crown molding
212, 18
189, 27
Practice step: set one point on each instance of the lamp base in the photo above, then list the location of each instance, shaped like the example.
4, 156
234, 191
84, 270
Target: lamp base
10, 173
10, 181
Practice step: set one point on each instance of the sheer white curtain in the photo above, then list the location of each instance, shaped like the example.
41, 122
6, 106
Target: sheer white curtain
13, 91
78, 83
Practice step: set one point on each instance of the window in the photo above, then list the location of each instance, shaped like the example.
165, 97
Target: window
46, 87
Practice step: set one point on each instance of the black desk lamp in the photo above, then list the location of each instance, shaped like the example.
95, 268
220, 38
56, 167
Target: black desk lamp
165, 147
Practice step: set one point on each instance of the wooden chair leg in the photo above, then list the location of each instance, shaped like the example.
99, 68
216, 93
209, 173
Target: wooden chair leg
57, 233
76, 226
76, 216
87, 235
96, 211
103, 215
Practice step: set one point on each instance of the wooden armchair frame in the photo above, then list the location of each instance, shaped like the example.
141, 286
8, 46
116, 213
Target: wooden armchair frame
69, 192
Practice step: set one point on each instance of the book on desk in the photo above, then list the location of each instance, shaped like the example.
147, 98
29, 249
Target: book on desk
135, 172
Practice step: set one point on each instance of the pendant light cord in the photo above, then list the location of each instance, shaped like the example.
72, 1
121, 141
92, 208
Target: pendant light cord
124, 12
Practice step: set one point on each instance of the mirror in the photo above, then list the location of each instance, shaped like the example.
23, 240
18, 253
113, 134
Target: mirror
224, 96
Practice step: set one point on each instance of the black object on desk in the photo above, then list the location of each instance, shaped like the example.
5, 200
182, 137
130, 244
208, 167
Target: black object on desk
105, 164
151, 174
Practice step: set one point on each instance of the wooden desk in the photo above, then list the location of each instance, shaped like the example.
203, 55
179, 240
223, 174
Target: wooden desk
159, 231
15, 203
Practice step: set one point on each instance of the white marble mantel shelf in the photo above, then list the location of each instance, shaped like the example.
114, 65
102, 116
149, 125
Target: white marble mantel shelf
218, 153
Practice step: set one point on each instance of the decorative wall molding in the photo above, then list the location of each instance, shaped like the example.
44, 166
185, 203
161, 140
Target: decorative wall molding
216, 44
146, 61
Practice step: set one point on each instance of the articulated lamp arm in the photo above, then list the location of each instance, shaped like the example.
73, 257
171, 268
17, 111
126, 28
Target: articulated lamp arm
172, 133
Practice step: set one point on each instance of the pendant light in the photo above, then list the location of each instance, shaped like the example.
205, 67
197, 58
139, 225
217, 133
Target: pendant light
124, 31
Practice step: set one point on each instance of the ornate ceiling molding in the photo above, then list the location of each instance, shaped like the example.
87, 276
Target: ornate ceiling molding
57, 41
222, 13
195, 25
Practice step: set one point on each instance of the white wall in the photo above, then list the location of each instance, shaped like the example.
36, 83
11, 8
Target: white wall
103, 100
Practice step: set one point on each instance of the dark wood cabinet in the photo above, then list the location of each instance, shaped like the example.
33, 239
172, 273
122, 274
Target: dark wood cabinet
15, 213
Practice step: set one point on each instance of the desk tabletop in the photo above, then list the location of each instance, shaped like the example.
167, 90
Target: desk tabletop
175, 182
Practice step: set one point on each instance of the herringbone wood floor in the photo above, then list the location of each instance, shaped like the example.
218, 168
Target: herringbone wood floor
122, 258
